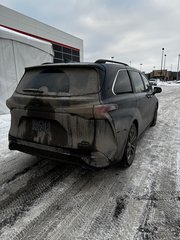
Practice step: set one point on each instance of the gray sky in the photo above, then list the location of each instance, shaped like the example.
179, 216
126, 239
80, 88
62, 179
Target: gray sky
128, 30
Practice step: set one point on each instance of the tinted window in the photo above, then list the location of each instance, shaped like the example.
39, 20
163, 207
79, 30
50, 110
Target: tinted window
75, 59
75, 52
58, 54
64, 54
137, 80
146, 83
122, 84
62, 81
57, 48
66, 57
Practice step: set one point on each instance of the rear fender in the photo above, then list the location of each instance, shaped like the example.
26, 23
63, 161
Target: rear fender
105, 138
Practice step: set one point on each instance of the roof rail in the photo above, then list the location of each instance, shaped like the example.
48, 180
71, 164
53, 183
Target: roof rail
111, 61
46, 63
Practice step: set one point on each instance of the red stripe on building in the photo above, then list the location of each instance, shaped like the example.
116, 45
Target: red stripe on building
38, 37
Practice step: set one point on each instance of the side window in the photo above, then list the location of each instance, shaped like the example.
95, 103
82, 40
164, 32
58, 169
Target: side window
137, 80
146, 83
122, 83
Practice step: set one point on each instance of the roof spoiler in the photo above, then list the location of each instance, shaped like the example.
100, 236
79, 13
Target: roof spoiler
110, 61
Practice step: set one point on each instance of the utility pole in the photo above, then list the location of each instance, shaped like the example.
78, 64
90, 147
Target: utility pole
162, 60
178, 68
141, 66
164, 73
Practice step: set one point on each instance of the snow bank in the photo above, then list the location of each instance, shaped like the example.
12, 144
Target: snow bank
168, 83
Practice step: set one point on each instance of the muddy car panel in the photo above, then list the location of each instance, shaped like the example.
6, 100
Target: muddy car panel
58, 121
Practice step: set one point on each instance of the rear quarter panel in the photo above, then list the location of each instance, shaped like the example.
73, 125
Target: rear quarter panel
122, 118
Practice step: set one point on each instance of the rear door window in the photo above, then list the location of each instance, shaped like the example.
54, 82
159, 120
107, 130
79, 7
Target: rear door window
64, 81
122, 83
137, 81
146, 83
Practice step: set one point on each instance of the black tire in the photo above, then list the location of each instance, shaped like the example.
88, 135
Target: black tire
154, 121
130, 149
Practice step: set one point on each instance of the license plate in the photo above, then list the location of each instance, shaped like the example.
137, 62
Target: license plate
40, 125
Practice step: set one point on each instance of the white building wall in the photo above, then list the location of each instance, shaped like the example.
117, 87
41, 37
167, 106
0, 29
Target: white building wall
18, 51
15, 20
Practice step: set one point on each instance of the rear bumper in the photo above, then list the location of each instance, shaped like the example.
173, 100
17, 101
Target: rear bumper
79, 156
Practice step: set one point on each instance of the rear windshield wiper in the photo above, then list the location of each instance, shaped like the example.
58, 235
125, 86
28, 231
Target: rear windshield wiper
33, 90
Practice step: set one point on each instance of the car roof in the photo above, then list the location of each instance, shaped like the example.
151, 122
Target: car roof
74, 64
100, 63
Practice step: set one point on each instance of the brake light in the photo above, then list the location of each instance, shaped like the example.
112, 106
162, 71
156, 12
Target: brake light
101, 111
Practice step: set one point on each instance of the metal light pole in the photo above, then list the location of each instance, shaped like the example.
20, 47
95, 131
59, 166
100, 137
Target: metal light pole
164, 73
141, 66
162, 60
178, 68
153, 73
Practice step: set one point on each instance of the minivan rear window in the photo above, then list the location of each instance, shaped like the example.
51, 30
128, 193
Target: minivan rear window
63, 81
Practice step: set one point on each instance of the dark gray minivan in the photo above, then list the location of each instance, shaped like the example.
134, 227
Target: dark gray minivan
93, 112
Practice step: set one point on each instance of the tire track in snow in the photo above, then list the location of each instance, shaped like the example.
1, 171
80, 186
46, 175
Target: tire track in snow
178, 162
81, 219
14, 163
160, 218
102, 223
16, 205
46, 206
69, 217
20, 180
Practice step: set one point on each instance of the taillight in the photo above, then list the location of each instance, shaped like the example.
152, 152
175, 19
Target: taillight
101, 111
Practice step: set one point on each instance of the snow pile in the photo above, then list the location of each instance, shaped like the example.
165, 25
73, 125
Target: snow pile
168, 83
5, 120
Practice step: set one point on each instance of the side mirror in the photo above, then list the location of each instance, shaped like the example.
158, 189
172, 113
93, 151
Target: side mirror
157, 90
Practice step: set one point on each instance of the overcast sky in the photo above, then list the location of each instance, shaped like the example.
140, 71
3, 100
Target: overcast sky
132, 31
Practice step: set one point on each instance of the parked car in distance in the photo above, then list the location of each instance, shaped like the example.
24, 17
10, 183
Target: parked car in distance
92, 112
153, 81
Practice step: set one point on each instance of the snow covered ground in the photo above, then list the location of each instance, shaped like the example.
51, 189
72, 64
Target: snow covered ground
42, 200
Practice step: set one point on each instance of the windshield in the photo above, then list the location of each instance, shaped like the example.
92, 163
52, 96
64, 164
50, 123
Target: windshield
62, 81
